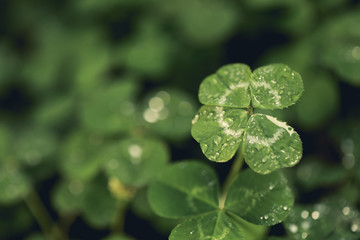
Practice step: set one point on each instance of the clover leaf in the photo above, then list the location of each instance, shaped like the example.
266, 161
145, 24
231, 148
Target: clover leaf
134, 161
190, 189
226, 121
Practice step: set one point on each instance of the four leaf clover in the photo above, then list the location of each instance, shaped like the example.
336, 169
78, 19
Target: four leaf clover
226, 121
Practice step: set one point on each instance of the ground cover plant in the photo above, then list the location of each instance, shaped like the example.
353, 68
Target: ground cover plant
184, 119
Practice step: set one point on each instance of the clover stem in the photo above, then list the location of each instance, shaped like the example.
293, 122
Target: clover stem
119, 220
38, 210
235, 168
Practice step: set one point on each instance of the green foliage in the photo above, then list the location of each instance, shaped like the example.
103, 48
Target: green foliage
191, 189
110, 110
97, 106
134, 162
234, 91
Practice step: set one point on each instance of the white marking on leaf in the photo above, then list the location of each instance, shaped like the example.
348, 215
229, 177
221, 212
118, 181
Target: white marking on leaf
273, 92
283, 125
226, 126
232, 88
265, 141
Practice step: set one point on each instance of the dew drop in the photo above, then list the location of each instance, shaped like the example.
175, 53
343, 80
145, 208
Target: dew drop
355, 227
204, 147
293, 228
156, 104
315, 215
304, 214
150, 116
266, 217
228, 121
195, 119
285, 208
217, 140
135, 151
346, 211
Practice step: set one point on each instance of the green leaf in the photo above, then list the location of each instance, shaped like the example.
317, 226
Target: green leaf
5, 142
141, 207
228, 87
110, 109
118, 237
135, 161
260, 199
149, 51
203, 23
14, 185
35, 145
339, 46
270, 144
213, 225
98, 206
219, 131
168, 112
15, 219
217, 225
320, 100
36, 236
313, 172
67, 196
185, 189
54, 111
79, 157
308, 222
275, 86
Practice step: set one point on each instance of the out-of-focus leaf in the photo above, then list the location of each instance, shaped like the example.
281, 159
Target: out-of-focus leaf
118, 237
314, 173
341, 48
333, 216
36, 236
320, 101
169, 113
110, 109
92, 200
5, 142
43, 68
67, 196
54, 112
90, 56
204, 23
149, 51
14, 184
8, 62
79, 157
98, 206
14, 219
308, 222
34, 145
135, 162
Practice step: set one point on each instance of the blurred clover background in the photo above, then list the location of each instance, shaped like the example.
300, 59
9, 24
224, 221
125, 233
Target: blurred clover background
97, 96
